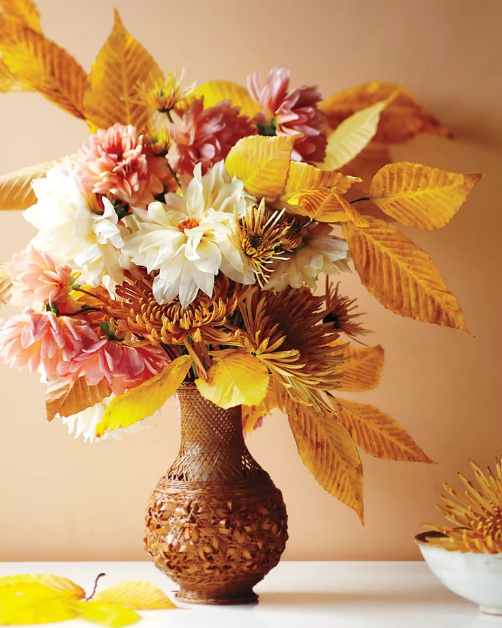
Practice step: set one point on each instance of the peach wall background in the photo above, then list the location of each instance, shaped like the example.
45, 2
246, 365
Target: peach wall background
61, 499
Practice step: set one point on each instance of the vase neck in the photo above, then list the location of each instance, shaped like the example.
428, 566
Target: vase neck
212, 442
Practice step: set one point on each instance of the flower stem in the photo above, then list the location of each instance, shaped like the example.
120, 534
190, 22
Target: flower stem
363, 198
89, 598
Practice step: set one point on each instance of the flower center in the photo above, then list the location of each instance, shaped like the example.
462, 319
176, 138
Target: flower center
189, 223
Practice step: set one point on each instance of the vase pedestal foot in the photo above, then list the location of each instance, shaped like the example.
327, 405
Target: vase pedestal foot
219, 597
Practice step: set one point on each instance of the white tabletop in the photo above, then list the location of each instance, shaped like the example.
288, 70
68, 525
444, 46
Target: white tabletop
298, 594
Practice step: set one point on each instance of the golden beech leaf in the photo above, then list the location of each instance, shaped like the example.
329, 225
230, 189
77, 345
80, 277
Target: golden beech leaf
25, 11
262, 163
139, 595
302, 176
353, 134
5, 284
25, 603
63, 586
236, 378
67, 397
402, 120
367, 163
216, 91
121, 65
325, 205
43, 65
400, 275
420, 196
361, 369
143, 400
377, 433
113, 615
10, 83
328, 451
251, 414
15, 188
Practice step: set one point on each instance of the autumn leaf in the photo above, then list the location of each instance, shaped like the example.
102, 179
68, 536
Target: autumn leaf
43, 65
139, 595
5, 284
353, 134
143, 400
25, 11
402, 119
367, 163
325, 205
236, 377
328, 451
9, 82
251, 414
400, 275
302, 176
361, 369
420, 196
63, 586
106, 614
262, 163
67, 397
121, 65
34, 603
216, 91
16, 191
377, 433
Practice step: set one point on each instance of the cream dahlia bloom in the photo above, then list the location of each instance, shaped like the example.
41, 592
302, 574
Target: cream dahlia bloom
319, 252
189, 239
70, 229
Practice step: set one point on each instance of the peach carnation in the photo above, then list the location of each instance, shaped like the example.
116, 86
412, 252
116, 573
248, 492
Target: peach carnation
205, 136
290, 112
122, 366
118, 161
43, 340
37, 278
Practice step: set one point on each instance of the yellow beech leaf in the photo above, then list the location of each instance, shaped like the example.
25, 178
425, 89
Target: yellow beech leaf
325, 205
23, 10
251, 414
400, 275
216, 91
106, 614
302, 176
10, 83
362, 369
43, 65
140, 595
34, 603
367, 163
353, 134
420, 196
377, 433
403, 118
15, 188
236, 378
67, 397
262, 163
328, 451
63, 586
141, 402
5, 284
121, 64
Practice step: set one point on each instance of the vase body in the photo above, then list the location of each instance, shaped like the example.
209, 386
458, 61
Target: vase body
215, 524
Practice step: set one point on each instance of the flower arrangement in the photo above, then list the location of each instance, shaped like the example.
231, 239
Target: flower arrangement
195, 235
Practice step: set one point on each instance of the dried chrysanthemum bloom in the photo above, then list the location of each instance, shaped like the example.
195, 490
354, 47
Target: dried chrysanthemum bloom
290, 112
167, 94
265, 236
288, 333
205, 136
341, 312
477, 515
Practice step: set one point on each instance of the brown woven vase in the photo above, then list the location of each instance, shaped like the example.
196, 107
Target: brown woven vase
215, 524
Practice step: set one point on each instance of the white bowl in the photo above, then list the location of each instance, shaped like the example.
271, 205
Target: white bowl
476, 577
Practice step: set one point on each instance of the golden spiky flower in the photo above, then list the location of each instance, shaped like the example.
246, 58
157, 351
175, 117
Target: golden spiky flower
159, 139
287, 332
341, 312
166, 95
265, 236
477, 515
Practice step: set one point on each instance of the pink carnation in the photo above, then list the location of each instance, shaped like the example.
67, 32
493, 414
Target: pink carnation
292, 111
45, 340
123, 367
37, 278
205, 136
119, 162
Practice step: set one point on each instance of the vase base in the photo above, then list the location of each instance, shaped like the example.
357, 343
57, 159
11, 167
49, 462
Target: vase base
223, 598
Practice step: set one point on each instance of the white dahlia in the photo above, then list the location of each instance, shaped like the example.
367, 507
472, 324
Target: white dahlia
70, 229
319, 252
189, 238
